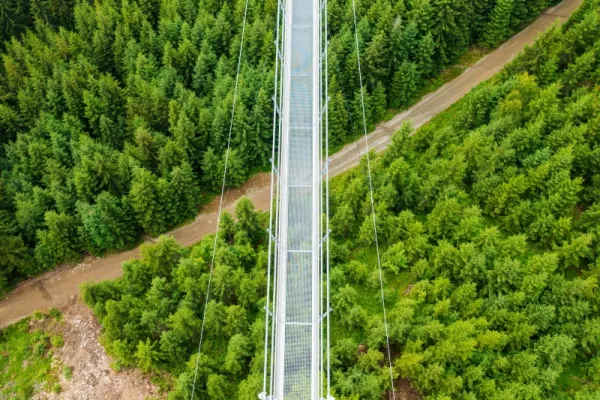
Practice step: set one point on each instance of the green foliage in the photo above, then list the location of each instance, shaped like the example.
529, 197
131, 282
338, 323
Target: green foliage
58, 243
492, 290
107, 223
57, 341
499, 231
55, 313
497, 28
25, 363
405, 85
116, 115
67, 372
153, 315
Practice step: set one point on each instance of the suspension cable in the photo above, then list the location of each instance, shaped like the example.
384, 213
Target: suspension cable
277, 219
273, 196
276, 252
362, 99
321, 204
215, 243
327, 259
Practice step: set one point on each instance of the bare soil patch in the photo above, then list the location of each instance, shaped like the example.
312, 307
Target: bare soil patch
404, 391
92, 377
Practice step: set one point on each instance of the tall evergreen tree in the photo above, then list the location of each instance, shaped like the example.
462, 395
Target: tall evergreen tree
405, 85
261, 126
212, 170
498, 27
379, 100
59, 242
184, 193
338, 118
426, 50
203, 70
147, 197
107, 223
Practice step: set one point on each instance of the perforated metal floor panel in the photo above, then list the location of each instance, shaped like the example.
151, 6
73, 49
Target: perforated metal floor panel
297, 316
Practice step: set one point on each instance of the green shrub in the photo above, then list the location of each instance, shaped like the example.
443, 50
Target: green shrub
55, 313
67, 372
39, 349
57, 341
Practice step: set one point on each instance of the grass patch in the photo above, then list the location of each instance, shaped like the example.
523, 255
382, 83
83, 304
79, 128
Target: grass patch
25, 361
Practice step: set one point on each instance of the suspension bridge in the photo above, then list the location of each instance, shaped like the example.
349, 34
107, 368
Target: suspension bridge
297, 306
297, 360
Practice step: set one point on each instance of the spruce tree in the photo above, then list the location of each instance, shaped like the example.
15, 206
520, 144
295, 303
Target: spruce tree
59, 242
425, 51
237, 171
107, 223
338, 118
405, 85
212, 172
147, 198
261, 127
184, 193
203, 70
379, 100
498, 28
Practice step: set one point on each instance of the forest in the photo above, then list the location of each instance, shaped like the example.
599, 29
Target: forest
489, 217
114, 114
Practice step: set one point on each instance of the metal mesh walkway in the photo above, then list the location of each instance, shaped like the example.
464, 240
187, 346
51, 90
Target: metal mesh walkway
298, 304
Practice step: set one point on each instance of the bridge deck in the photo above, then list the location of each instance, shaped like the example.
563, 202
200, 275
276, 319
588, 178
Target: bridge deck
297, 316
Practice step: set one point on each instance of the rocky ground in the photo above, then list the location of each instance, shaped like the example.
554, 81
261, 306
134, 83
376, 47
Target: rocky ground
92, 377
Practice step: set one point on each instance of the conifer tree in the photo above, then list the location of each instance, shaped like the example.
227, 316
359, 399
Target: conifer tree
262, 127
426, 50
147, 198
183, 192
498, 28
107, 223
59, 242
203, 70
338, 118
212, 172
236, 169
379, 100
405, 85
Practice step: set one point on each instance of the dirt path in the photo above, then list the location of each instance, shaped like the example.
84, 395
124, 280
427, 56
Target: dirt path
57, 286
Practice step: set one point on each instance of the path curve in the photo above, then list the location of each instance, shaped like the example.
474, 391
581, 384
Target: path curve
55, 287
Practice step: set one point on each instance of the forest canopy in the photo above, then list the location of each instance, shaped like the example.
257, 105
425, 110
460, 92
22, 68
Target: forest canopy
114, 114
489, 217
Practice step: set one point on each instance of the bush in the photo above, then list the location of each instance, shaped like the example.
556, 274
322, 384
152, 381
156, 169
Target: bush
55, 313
57, 341
39, 349
67, 372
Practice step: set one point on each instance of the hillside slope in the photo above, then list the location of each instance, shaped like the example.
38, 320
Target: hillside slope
489, 216
53, 288
114, 122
